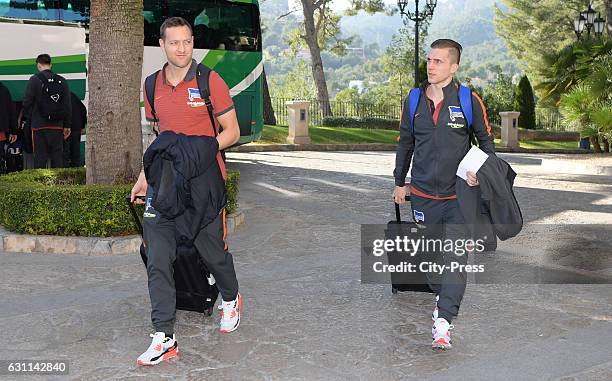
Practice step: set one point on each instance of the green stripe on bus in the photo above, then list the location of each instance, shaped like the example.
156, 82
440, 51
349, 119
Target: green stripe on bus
17, 88
233, 67
61, 64
32, 61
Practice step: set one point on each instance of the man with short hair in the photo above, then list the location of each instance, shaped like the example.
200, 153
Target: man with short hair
47, 106
176, 110
436, 140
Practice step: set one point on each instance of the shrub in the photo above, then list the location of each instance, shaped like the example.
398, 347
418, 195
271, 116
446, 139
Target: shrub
57, 202
525, 104
367, 123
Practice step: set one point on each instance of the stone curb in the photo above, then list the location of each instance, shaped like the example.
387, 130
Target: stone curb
377, 147
26, 243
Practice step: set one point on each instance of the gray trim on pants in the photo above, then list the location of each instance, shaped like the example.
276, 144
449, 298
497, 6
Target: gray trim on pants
159, 238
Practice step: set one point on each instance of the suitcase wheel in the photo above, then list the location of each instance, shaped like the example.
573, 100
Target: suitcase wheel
393, 290
208, 311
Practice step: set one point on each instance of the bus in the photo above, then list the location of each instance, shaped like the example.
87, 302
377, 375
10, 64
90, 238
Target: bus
227, 38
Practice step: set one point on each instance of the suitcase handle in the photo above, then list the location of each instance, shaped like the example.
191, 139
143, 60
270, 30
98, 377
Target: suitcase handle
133, 211
398, 217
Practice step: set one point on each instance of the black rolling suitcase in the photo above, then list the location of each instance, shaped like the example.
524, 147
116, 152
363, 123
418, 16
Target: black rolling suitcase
196, 289
413, 281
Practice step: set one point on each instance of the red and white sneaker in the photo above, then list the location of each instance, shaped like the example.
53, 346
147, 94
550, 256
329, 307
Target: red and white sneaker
434, 313
161, 348
441, 335
230, 314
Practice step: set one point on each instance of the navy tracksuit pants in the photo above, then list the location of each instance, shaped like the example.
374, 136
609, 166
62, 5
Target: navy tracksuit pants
444, 221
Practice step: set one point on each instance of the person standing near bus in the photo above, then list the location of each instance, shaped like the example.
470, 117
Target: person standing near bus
8, 120
72, 145
175, 111
47, 106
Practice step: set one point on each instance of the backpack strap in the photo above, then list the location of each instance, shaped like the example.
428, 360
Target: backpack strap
150, 90
413, 101
465, 102
202, 75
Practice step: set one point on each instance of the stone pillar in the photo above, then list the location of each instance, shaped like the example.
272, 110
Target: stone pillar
298, 122
509, 129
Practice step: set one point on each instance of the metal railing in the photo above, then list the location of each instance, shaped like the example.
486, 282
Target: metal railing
338, 109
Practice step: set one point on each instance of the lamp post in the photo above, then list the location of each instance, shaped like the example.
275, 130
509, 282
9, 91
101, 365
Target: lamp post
587, 19
417, 16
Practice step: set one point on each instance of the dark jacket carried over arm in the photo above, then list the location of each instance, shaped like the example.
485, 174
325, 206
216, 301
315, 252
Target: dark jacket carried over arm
186, 180
495, 195
8, 113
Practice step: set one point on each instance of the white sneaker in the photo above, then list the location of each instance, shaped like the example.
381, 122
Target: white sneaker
434, 313
440, 334
161, 348
230, 314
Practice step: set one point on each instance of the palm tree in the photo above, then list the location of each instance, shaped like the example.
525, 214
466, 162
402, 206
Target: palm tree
578, 108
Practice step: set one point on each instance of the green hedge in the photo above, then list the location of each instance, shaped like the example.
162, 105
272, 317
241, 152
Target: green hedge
56, 202
371, 123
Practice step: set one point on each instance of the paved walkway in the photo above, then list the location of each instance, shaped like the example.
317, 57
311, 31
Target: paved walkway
306, 314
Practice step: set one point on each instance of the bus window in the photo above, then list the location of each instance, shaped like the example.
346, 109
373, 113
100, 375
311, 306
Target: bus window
30, 9
75, 11
217, 24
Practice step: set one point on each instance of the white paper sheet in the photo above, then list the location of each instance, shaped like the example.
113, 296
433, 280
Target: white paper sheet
472, 161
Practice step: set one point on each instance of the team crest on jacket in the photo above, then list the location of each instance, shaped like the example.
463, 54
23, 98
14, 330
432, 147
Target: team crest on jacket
455, 112
193, 95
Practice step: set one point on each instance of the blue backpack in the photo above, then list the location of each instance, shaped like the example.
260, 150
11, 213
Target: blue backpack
465, 102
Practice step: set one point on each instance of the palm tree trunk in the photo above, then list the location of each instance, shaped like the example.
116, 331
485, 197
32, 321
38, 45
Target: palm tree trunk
609, 17
595, 143
114, 137
606, 144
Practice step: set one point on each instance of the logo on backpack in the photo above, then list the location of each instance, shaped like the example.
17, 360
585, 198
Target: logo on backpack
50, 103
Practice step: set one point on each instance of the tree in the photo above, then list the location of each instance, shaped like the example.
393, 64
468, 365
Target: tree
268, 110
588, 106
609, 16
320, 30
525, 104
577, 108
534, 29
571, 65
499, 96
114, 137
296, 84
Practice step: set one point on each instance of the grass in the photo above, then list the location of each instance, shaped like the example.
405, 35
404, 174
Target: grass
331, 135
343, 135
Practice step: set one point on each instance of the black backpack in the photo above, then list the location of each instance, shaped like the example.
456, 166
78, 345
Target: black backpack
202, 76
51, 103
